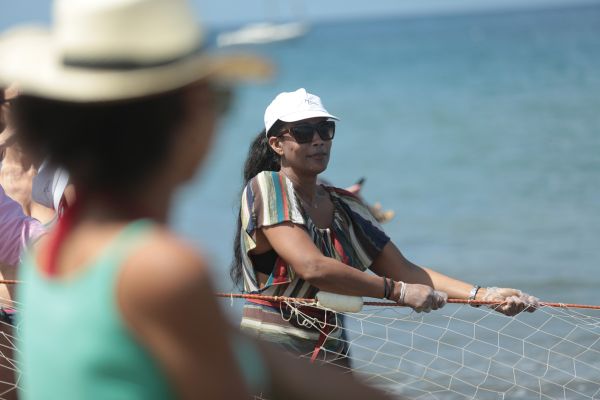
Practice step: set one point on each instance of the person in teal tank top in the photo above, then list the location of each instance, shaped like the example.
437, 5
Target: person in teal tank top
83, 366
112, 304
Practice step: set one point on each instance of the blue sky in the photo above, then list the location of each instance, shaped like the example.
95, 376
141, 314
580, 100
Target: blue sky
232, 11
225, 12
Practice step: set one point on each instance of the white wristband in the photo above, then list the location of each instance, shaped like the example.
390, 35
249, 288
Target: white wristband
473, 292
402, 293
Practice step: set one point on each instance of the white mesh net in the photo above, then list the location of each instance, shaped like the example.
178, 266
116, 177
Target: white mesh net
462, 352
9, 371
458, 352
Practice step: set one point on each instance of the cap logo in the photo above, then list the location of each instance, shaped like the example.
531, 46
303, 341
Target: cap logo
311, 102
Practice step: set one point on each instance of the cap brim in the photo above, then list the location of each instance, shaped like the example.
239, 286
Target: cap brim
306, 114
29, 59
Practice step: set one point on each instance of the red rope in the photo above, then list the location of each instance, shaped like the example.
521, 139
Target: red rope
9, 282
366, 303
392, 304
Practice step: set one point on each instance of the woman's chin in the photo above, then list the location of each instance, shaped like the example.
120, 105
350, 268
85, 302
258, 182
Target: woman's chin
318, 163
318, 169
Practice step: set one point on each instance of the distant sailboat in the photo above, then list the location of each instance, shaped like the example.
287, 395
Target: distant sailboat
263, 32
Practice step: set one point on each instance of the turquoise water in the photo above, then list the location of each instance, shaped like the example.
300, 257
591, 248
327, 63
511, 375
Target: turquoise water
482, 133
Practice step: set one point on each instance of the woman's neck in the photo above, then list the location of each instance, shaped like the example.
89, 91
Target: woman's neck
305, 185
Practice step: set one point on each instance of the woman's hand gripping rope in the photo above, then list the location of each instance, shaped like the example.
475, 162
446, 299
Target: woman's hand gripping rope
421, 298
512, 301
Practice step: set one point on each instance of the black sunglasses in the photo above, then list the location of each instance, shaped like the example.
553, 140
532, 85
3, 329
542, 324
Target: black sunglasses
304, 133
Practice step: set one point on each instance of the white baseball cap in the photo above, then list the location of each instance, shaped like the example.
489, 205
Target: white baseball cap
295, 106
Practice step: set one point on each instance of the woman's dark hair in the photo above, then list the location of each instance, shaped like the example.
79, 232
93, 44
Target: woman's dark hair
106, 147
261, 157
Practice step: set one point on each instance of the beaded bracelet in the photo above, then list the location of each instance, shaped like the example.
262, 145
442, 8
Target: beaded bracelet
386, 289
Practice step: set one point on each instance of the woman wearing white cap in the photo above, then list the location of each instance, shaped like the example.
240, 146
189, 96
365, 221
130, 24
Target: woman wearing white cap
297, 237
115, 306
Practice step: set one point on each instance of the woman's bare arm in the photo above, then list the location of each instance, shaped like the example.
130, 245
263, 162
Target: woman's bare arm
292, 243
393, 264
427, 288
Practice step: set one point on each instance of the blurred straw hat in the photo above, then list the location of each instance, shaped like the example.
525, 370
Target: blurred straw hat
108, 50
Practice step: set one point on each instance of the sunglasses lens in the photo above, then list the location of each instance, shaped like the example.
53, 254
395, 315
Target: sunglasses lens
304, 133
326, 130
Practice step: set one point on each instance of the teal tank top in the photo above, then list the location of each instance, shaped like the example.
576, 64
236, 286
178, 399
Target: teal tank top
72, 340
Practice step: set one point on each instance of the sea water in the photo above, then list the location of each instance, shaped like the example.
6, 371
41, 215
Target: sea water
481, 132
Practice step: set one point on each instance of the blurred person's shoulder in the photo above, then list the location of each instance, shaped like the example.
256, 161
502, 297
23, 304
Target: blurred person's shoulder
164, 267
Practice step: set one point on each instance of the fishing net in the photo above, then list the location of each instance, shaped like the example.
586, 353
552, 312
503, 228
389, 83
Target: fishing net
458, 352
9, 371
464, 352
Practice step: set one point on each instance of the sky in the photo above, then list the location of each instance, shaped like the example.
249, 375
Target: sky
235, 11
215, 13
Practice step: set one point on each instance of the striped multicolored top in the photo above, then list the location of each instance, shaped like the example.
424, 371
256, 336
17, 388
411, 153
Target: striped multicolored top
354, 238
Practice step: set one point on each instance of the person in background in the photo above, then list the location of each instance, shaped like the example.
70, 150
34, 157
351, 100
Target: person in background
17, 232
296, 237
43, 191
17, 229
114, 304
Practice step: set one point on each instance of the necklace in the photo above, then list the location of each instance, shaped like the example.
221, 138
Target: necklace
319, 193
315, 202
